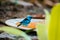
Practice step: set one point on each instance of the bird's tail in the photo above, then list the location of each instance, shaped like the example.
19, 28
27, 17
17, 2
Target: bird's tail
18, 25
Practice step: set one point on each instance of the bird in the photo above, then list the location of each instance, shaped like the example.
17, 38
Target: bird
25, 21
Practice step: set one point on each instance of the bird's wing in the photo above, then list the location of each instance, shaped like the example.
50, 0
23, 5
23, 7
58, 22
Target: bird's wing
24, 20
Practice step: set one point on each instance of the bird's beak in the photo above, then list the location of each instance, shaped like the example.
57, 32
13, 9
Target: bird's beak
18, 24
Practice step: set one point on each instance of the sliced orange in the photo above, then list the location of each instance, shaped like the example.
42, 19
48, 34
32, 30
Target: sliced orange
32, 25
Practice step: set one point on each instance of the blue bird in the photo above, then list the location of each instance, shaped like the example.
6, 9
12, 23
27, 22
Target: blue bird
25, 21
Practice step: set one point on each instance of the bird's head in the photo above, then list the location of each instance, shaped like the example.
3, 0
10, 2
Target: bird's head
29, 17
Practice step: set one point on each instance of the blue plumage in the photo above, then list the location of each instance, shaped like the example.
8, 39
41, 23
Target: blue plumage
26, 21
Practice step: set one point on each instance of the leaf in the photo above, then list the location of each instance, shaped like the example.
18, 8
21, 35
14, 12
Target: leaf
15, 31
54, 25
